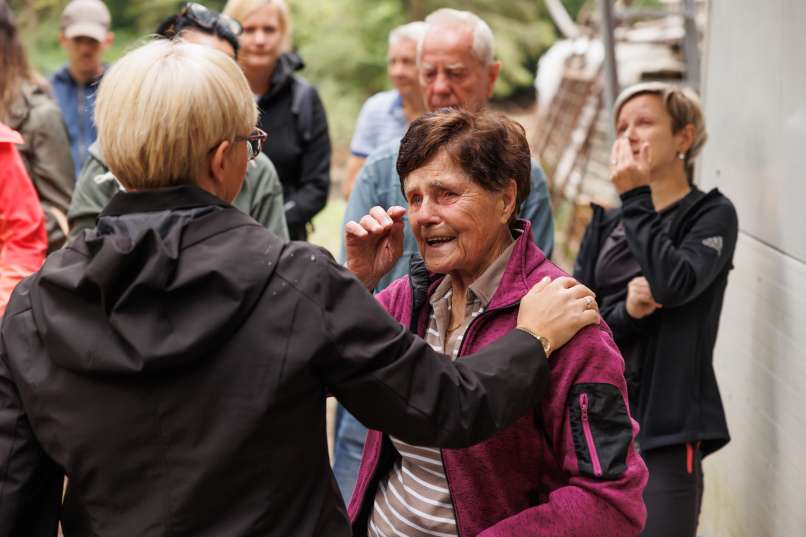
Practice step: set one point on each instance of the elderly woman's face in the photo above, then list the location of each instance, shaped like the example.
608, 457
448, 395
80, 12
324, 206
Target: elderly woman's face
645, 119
460, 227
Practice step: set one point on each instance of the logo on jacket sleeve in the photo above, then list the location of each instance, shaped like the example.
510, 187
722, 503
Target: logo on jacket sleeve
714, 243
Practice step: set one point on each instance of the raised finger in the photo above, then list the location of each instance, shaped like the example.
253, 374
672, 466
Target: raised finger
370, 224
355, 229
396, 212
380, 215
625, 152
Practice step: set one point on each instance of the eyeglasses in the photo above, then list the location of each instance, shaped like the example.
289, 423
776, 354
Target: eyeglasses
254, 141
211, 20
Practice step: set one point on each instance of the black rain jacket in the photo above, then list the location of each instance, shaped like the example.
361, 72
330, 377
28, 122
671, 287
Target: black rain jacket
677, 398
174, 362
292, 114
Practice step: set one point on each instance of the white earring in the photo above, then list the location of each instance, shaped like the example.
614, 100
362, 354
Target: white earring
681, 156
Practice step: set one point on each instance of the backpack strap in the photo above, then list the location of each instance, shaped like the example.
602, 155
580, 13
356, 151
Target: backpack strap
302, 95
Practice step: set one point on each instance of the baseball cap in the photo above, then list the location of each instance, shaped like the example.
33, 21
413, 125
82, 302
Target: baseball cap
86, 18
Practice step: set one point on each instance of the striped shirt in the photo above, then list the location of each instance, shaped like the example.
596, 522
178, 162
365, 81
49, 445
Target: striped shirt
414, 500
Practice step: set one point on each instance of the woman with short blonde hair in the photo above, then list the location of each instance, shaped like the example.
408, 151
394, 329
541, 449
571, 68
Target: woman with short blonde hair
659, 265
177, 81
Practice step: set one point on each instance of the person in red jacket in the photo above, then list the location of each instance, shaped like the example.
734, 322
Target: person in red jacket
23, 241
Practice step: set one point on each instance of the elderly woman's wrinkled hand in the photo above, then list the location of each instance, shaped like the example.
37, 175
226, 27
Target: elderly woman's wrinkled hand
626, 171
374, 244
557, 310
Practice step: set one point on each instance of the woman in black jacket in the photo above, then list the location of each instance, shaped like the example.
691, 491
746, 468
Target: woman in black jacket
174, 361
291, 110
659, 266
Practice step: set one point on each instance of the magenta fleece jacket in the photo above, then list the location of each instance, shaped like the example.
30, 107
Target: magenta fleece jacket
568, 469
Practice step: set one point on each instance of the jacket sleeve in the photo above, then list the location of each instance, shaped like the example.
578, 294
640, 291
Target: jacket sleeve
23, 242
30, 483
51, 168
537, 209
90, 196
591, 435
679, 274
314, 183
267, 205
391, 380
620, 322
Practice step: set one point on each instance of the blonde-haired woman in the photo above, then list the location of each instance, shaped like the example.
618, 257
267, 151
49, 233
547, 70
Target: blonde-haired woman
290, 108
174, 361
659, 265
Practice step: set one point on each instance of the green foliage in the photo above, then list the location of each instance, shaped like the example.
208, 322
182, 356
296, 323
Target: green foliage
343, 42
345, 52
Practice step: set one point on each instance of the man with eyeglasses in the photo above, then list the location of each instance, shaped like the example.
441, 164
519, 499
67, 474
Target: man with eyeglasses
262, 194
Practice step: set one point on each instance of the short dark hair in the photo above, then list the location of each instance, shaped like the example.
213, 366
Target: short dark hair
490, 148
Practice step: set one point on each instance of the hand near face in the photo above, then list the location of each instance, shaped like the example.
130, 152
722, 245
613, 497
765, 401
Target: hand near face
627, 171
558, 309
640, 302
374, 244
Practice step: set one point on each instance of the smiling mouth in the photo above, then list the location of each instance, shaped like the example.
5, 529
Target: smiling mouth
436, 241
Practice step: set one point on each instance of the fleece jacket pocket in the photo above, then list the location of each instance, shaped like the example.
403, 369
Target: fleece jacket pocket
601, 429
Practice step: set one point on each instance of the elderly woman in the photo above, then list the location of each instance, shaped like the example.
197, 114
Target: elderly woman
291, 109
568, 468
660, 265
174, 361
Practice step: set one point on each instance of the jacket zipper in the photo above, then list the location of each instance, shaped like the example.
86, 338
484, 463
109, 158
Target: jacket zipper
586, 428
465, 338
450, 495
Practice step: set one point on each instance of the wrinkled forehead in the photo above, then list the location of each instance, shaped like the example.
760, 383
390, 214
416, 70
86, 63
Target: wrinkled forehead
448, 43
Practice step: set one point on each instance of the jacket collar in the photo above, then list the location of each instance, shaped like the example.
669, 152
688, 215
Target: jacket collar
161, 199
286, 65
526, 257
63, 75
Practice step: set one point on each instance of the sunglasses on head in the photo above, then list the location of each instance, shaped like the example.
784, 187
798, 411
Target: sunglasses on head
210, 20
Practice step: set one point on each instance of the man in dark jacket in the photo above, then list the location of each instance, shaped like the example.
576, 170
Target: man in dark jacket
174, 361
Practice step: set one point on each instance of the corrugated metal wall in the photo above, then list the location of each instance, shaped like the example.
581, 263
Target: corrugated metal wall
755, 101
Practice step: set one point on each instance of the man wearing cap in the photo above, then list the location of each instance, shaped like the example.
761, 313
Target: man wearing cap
85, 36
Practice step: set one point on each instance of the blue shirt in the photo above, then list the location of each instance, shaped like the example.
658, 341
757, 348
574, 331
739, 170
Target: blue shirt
382, 119
378, 184
77, 103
